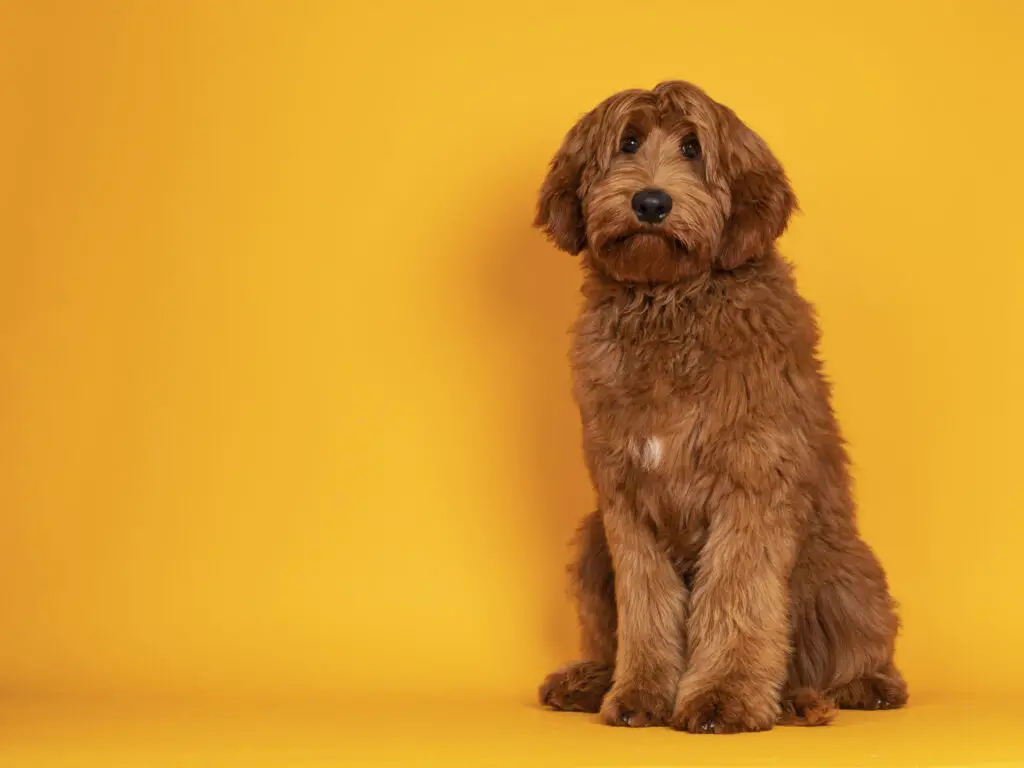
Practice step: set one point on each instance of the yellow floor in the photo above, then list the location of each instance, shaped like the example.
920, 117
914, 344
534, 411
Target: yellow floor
933, 732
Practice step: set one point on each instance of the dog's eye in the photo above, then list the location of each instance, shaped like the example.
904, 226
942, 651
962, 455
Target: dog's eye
630, 144
690, 148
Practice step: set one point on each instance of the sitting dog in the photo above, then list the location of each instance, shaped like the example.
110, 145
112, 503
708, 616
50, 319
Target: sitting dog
721, 583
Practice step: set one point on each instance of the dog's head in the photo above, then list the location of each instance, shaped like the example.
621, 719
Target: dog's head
661, 185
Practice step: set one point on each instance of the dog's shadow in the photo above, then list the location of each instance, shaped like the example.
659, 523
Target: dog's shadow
527, 294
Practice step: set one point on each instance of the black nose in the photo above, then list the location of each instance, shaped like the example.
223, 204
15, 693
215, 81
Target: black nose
651, 205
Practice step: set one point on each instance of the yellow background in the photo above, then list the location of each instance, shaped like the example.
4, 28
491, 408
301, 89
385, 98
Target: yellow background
284, 405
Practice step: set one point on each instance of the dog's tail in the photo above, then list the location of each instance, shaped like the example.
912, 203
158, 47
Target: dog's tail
806, 707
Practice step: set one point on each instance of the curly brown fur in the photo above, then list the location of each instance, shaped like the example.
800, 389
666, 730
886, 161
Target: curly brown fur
578, 687
806, 707
723, 567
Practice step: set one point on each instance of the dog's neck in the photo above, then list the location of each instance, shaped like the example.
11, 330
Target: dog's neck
599, 288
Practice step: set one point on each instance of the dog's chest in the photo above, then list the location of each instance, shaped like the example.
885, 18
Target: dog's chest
642, 404
648, 378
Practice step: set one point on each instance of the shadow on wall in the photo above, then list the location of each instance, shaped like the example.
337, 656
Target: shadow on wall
528, 295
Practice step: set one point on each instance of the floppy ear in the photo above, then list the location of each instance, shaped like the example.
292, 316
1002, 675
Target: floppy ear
560, 209
762, 199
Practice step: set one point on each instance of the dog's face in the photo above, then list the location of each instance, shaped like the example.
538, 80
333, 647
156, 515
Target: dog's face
658, 186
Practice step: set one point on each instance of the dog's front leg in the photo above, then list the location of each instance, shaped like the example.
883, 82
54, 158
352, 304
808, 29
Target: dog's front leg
651, 603
738, 629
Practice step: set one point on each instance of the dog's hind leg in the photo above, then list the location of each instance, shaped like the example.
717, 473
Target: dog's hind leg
581, 686
844, 629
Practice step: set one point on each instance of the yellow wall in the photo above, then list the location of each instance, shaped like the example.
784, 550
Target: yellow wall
283, 398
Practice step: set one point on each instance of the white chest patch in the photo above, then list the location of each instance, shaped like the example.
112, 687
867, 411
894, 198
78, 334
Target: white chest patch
651, 453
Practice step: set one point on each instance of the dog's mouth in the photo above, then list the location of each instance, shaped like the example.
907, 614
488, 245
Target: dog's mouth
638, 237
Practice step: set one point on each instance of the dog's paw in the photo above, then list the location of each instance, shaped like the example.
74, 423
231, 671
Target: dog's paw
721, 712
878, 691
578, 687
806, 707
635, 707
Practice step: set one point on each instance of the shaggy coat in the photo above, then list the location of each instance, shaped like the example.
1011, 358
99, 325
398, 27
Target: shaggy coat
722, 585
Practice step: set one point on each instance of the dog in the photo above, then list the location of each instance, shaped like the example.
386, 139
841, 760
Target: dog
722, 585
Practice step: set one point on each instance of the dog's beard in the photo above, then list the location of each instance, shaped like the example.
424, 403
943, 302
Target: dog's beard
648, 244
646, 256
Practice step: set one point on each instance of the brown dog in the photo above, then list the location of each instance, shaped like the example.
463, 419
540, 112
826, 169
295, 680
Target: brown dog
722, 585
